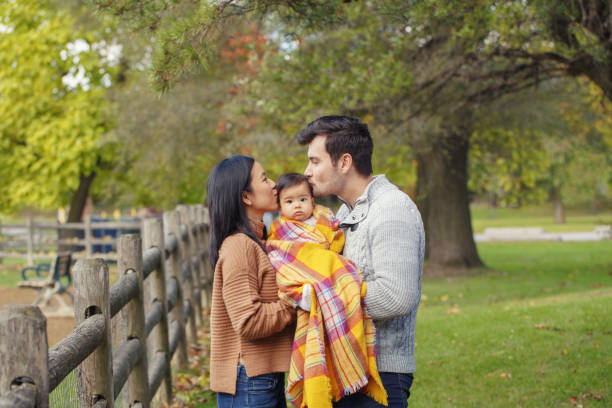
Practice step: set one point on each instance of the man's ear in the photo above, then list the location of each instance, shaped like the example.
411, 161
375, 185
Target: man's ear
245, 198
345, 162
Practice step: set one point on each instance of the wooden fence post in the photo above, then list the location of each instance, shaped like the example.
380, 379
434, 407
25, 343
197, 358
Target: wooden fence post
187, 281
173, 267
204, 220
23, 351
30, 240
190, 252
129, 260
91, 297
198, 244
88, 237
154, 237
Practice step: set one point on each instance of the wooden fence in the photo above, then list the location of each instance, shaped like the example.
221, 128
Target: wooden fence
35, 237
157, 322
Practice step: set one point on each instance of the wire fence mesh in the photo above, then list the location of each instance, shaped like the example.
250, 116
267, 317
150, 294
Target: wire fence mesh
66, 394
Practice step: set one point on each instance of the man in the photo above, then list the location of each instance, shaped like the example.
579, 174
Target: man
384, 237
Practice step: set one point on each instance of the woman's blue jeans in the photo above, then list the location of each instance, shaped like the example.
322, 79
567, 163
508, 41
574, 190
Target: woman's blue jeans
262, 391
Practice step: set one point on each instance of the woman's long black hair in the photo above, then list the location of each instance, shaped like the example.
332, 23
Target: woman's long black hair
224, 188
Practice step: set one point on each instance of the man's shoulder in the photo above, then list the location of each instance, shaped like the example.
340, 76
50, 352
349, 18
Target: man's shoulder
392, 199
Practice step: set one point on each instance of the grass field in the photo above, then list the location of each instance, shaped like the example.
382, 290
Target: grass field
536, 331
536, 216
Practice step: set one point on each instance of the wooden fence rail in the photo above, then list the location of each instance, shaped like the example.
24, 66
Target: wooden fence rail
157, 322
31, 236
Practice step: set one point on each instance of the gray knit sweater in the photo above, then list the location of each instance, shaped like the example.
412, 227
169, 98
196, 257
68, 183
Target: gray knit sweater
386, 240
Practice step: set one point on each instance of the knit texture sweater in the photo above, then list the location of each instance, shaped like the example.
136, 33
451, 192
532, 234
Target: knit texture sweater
386, 240
248, 321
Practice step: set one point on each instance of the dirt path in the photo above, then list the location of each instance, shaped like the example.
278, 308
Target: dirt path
57, 327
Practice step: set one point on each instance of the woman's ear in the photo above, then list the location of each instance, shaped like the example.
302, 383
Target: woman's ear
245, 198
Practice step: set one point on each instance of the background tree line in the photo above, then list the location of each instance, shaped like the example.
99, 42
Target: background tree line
510, 99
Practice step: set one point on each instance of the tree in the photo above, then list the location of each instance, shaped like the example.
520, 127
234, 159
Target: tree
54, 117
425, 67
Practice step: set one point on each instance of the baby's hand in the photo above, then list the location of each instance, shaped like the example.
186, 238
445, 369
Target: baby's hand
306, 300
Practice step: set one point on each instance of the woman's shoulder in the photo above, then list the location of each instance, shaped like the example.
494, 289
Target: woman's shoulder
237, 242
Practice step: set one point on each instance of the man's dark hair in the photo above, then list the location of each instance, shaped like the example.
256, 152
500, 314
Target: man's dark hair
290, 180
344, 135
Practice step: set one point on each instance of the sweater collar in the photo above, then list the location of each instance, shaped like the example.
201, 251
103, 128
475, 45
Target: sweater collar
362, 204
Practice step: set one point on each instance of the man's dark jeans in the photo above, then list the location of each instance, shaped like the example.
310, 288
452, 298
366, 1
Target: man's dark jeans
262, 391
398, 391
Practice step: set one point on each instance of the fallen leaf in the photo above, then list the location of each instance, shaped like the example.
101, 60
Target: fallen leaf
564, 352
453, 310
541, 326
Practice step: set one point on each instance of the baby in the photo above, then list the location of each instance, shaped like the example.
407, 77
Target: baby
305, 245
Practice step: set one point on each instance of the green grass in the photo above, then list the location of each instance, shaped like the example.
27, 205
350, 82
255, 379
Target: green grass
534, 332
10, 271
540, 216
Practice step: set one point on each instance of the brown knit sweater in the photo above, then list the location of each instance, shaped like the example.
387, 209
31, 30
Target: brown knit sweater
248, 321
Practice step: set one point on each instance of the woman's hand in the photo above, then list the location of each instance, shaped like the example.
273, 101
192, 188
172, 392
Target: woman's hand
306, 300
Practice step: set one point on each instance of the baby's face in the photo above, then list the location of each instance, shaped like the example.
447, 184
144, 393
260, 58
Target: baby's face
296, 203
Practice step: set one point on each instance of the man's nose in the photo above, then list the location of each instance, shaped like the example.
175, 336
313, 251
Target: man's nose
307, 172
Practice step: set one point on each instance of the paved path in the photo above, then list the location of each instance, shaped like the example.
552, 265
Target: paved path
600, 233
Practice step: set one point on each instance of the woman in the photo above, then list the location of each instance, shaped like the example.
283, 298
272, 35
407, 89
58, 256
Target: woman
251, 329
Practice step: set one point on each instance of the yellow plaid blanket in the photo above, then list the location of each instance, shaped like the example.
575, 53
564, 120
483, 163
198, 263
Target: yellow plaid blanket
333, 350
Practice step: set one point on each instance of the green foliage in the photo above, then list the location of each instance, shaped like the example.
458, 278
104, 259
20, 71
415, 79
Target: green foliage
419, 69
53, 110
550, 141
188, 30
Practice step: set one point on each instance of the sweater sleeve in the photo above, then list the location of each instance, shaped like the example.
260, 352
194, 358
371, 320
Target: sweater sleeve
397, 240
251, 318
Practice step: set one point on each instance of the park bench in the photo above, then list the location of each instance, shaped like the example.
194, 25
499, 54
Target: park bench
52, 286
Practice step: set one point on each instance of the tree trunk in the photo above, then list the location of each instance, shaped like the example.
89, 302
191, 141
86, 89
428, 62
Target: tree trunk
79, 199
442, 198
77, 205
559, 209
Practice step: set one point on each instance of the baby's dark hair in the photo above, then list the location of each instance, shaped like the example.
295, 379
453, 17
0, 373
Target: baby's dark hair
290, 180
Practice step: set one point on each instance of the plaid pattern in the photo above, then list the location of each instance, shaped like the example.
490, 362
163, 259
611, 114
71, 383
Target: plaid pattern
333, 350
